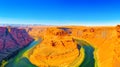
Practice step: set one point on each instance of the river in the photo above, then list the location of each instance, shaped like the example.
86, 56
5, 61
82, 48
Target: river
22, 58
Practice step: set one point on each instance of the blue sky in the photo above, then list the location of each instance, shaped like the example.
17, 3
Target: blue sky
60, 12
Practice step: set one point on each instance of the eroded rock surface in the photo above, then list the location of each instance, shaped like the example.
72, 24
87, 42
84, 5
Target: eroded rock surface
11, 41
57, 49
105, 38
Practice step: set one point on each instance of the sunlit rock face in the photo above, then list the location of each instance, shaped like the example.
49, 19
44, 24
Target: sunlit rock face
57, 49
117, 48
118, 30
11, 41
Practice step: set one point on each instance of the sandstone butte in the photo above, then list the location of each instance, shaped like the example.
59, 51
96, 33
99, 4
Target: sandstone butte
58, 47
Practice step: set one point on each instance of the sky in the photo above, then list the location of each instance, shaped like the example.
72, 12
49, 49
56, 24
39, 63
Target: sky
60, 12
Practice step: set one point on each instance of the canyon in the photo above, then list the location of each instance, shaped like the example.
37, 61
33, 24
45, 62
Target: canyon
64, 46
11, 41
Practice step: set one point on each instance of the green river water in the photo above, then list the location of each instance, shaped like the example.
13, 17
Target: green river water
22, 60
89, 59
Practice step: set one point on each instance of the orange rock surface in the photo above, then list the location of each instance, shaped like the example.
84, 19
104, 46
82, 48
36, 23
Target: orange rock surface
56, 49
106, 40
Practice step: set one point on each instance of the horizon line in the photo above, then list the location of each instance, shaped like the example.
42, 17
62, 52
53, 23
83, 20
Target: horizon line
58, 23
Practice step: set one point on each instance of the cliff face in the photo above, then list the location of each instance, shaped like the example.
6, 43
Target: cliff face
117, 48
11, 41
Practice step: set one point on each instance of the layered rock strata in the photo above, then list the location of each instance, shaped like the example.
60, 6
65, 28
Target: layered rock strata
11, 41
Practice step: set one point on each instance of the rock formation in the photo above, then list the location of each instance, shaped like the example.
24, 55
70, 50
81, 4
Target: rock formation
56, 49
11, 41
106, 39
